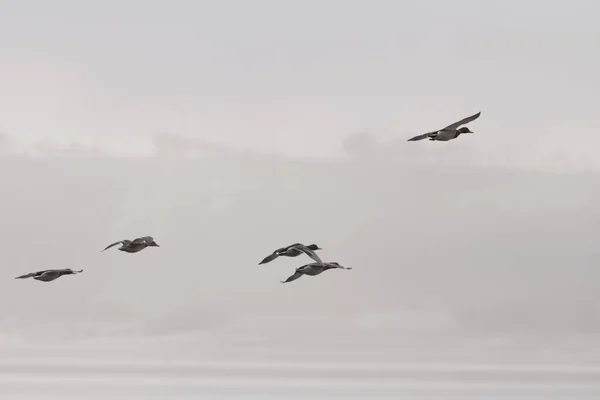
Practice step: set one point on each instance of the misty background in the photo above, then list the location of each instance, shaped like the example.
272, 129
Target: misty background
227, 130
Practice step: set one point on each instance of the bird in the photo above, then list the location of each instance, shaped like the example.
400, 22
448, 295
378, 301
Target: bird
313, 269
448, 133
133, 246
293, 250
49, 274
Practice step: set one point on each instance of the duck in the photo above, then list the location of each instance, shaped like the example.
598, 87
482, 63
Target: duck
133, 246
313, 269
448, 133
49, 274
293, 250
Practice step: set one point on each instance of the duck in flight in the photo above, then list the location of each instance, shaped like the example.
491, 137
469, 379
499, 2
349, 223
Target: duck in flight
448, 133
133, 246
294, 250
313, 269
49, 274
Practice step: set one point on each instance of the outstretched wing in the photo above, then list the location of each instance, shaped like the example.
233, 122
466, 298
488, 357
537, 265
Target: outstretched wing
308, 252
421, 137
30, 275
277, 252
114, 244
455, 125
293, 277
269, 258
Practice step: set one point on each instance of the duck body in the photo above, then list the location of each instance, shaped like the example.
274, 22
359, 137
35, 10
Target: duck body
49, 274
446, 135
293, 250
450, 132
133, 246
314, 269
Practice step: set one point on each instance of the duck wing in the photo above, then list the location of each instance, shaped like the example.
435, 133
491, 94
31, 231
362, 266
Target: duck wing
421, 137
463, 121
269, 258
293, 277
277, 253
309, 253
30, 275
123, 242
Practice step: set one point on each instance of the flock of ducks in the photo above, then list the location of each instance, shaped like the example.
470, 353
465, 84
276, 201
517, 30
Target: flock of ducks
317, 267
139, 244
312, 269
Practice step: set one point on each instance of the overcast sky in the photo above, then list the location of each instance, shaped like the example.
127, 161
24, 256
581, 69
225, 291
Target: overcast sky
448, 265
298, 76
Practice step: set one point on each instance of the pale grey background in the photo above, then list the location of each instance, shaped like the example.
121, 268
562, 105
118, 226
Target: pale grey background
228, 129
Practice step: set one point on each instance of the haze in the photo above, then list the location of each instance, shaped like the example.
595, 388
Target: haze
228, 129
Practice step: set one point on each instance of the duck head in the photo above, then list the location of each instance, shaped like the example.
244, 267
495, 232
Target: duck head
465, 130
153, 244
69, 271
314, 247
334, 264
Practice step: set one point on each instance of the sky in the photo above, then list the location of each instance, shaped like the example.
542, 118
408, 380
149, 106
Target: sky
476, 264
297, 77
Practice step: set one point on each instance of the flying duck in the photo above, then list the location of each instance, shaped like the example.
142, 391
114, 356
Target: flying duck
448, 133
313, 269
293, 250
134, 246
49, 274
